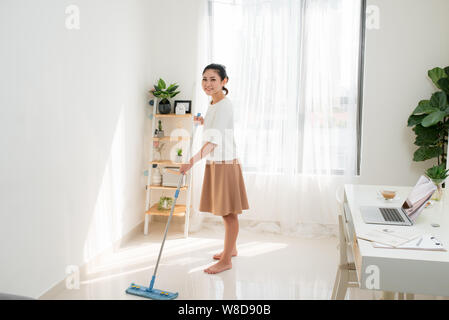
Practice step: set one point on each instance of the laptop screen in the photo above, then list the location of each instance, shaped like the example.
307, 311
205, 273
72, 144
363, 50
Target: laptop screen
418, 197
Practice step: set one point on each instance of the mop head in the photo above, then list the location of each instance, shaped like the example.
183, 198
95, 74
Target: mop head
154, 294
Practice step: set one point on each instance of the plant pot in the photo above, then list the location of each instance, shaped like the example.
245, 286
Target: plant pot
178, 159
164, 107
165, 204
438, 194
160, 133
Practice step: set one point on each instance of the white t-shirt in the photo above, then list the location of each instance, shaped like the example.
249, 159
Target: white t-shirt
219, 129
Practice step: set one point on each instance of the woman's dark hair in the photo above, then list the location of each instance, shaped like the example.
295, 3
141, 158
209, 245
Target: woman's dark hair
221, 69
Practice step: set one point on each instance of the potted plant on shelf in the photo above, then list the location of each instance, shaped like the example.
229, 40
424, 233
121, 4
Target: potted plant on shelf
165, 203
161, 91
430, 121
438, 175
179, 156
159, 132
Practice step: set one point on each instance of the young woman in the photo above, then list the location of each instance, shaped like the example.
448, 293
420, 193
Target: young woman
223, 193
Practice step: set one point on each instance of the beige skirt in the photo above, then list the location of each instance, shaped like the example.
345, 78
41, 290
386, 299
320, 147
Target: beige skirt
223, 190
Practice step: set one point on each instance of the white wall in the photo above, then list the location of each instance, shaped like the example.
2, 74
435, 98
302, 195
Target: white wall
175, 29
412, 39
72, 116
72, 110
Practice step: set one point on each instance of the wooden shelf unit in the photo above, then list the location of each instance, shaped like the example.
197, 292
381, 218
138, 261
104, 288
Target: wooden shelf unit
181, 210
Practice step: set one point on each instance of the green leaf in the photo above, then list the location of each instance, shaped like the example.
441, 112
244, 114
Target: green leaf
444, 84
447, 71
436, 74
439, 100
156, 87
425, 107
414, 120
433, 118
174, 94
172, 88
426, 153
427, 136
162, 84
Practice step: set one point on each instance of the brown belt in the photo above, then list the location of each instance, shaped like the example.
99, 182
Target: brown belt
235, 161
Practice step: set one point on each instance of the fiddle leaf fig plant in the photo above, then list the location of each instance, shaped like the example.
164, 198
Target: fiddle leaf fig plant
430, 120
161, 91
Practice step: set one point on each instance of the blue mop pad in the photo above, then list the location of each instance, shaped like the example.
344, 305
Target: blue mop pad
154, 294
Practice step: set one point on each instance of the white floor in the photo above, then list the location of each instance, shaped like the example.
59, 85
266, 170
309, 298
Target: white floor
268, 267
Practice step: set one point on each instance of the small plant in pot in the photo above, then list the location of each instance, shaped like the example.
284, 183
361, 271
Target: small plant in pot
165, 203
161, 91
159, 131
438, 175
179, 155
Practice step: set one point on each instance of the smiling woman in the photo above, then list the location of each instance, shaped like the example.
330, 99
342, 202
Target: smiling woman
223, 189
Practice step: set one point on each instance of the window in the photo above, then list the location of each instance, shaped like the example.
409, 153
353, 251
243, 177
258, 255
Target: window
295, 79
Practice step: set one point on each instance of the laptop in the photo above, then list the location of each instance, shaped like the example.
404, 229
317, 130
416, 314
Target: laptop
408, 212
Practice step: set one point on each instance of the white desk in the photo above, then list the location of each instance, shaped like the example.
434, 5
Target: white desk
399, 270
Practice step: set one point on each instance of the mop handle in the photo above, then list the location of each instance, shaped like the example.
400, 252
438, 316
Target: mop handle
168, 224
166, 230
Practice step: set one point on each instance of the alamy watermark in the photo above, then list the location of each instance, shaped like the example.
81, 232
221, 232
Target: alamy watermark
72, 20
372, 281
73, 277
372, 17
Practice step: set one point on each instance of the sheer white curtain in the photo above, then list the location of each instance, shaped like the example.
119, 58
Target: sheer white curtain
293, 78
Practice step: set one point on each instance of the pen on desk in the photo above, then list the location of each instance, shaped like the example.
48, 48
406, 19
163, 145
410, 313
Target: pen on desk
419, 242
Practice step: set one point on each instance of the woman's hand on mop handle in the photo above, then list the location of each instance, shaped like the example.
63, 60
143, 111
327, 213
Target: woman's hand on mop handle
198, 119
205, 150
185, 167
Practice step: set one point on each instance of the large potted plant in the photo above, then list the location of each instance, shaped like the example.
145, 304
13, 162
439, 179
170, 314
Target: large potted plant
161, 91
430, 121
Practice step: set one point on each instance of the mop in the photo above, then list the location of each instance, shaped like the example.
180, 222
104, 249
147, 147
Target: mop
150, 292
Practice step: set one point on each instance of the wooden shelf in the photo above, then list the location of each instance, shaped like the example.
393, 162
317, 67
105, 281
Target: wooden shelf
166, 163
180, 211
172, 115
170, 138
166, 188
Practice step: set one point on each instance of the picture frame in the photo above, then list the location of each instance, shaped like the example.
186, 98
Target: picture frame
186, 103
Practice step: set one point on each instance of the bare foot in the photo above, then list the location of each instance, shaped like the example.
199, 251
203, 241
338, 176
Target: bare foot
220, 266
218, 255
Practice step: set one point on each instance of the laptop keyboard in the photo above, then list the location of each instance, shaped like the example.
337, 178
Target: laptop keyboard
391, 215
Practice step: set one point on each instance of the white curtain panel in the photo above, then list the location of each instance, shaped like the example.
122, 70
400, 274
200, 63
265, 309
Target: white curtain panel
293, 77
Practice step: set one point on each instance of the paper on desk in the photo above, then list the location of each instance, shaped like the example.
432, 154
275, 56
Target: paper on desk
425, 242
390, 236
